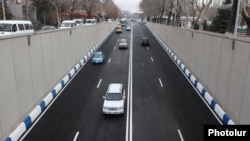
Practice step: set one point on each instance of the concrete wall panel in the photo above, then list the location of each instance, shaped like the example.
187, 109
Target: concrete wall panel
47, 56
22, 65
9, 108
37, 71
238, 79
244, 111
224, 72
213, 72
206, 58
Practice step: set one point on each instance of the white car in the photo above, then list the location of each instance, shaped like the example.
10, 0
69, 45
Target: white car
114, 100
90, 22
68, 24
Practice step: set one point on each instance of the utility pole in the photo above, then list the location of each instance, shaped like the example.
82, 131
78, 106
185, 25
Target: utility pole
4, 17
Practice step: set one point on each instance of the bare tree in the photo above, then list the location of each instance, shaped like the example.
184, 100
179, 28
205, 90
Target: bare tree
203, 15
149, 7
246, 14
89, 6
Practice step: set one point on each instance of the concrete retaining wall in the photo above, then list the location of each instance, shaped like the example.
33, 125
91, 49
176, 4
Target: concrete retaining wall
220, 63
32, 65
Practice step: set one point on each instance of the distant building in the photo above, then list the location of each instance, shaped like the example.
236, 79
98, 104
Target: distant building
22, 10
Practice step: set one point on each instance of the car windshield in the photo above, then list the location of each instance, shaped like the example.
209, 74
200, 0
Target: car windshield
5, 27
97, 55
114, 96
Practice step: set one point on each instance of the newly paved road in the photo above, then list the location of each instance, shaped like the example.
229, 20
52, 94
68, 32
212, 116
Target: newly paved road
162, 105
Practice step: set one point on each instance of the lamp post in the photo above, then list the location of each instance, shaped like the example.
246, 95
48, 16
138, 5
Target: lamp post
4, 17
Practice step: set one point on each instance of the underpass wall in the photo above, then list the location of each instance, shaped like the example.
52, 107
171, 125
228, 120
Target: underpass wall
220, 63
32, 65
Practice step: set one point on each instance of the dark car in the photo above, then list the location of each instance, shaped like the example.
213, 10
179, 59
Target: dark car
145, 41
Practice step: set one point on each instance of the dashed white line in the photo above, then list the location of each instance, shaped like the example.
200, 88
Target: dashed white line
152, 59
160, 82
77, 133
147, 48
99, 83
114, 47
109, 60
179, 132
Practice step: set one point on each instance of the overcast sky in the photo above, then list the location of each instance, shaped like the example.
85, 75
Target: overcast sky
129, 5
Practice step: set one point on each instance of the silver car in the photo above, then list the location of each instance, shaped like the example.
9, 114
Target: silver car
123, 44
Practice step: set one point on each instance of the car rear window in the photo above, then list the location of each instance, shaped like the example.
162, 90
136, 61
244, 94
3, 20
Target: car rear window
114, 96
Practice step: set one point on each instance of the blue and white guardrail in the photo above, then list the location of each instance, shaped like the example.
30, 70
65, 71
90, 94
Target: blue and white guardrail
40, 108
225, 119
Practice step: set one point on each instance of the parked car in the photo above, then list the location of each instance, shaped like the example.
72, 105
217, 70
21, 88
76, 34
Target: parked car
79, 22
98, 57
145, 41
48, 27
123, 44
114, 99
14, 27
109, 20
90, 22
68, 24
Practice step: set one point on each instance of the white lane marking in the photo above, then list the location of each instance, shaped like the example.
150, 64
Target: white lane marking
99, 83
109, 60
147, 48
129, 120
179, 132
77, 133
160, 82
114, 47
152, 59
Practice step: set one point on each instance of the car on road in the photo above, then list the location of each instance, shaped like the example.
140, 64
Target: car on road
114, 99
145, 41
98, 57
123, 44
128, 27
118, 29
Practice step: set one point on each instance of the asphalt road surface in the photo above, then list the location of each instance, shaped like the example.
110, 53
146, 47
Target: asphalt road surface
161, 105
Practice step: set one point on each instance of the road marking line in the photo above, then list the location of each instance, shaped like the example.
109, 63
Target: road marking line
114, 47
77, 133
109, 60
147, 48
179, 132
160, 82
99, 83
152, 59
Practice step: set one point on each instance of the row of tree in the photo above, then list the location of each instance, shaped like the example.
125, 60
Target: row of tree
51, 9
222, 13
